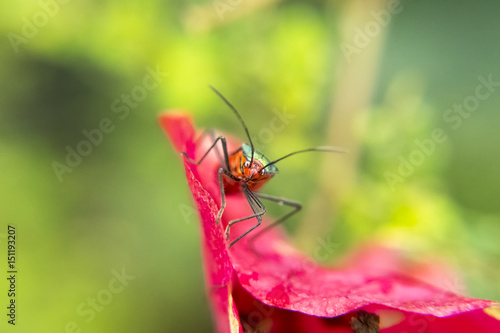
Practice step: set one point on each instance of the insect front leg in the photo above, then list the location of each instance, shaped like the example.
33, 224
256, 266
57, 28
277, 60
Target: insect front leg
258, 209
223, 170
211, 132
224, 150
222, 194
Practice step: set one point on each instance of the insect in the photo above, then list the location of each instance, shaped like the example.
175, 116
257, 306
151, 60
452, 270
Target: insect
246, 170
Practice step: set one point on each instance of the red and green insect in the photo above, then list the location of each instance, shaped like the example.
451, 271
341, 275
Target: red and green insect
246, 170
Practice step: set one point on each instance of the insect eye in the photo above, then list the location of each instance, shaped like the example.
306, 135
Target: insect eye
262, 172
246, 164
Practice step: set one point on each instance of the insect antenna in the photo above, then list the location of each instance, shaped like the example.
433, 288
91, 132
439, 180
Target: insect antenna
239, 118
322, 149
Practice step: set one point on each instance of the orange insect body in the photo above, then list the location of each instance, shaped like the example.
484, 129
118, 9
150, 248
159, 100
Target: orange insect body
252, 175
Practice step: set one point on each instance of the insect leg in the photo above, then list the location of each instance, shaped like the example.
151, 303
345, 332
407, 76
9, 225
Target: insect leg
296, 208
211, 132
223, 170
222, 194
258, 209
224, 150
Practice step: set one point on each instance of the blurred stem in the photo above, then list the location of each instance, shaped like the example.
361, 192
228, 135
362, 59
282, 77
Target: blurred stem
352, 89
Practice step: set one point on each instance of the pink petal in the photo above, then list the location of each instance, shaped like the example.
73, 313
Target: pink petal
291, 284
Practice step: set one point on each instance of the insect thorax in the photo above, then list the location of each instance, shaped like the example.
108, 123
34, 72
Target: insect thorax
246, 174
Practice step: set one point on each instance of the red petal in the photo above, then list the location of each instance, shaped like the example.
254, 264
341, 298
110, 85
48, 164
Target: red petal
284, 278
218, 268
179, 128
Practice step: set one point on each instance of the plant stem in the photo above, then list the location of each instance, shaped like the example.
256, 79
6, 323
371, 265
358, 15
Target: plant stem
352, 89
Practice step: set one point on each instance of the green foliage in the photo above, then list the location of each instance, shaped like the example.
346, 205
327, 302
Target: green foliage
126, 204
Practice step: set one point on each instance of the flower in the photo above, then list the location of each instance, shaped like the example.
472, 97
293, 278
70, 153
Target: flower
283, 290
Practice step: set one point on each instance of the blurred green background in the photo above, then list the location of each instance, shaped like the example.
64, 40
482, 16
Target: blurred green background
369, 77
